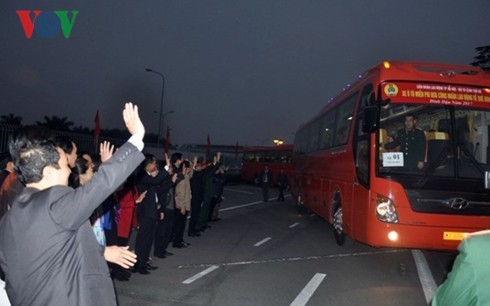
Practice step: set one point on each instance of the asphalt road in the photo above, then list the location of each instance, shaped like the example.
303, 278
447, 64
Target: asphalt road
267, 254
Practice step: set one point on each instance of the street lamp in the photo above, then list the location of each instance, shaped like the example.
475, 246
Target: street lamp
278, 142
161, 103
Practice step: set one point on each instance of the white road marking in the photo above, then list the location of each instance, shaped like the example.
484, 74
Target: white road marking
241, 206
261, 242
425, 276
199, 275
239, 191
294, 225
305, 294
289, 259
246, 205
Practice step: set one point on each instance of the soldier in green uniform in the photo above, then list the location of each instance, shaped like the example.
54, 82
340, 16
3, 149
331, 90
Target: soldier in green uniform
412, 144
467, 283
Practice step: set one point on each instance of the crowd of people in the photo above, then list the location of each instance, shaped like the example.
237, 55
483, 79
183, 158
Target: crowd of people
167, 195
67, 216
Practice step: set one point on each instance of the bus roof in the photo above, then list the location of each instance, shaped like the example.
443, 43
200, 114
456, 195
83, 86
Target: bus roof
425, 72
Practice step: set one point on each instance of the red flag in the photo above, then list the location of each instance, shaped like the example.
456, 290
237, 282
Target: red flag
208, 149
96, 129
167, 140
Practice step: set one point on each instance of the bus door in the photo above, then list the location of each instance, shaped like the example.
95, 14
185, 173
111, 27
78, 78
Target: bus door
361, 145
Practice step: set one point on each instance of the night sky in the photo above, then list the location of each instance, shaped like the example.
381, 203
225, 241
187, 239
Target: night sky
239, 71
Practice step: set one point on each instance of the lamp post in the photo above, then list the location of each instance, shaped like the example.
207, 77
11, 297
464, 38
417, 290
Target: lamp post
161, 102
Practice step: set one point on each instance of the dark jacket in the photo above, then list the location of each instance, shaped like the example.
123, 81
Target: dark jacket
154, 187
47, 247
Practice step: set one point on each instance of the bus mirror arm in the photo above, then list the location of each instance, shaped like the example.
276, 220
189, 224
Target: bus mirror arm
370, 121
384, 102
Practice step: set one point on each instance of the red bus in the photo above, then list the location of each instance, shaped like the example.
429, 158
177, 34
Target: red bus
400, 158
276, 157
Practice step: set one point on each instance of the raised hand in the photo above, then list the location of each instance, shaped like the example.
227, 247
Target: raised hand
167, 161
106, 150
133, 121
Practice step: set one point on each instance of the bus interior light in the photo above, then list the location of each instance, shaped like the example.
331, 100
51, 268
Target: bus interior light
386, 210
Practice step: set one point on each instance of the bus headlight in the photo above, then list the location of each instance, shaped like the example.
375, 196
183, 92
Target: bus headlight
386, 210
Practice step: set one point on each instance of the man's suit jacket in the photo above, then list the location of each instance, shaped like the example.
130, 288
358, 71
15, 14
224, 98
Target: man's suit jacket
153, 186
47, 247
468, 281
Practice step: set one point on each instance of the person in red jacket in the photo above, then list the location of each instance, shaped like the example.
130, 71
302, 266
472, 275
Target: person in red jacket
128, 198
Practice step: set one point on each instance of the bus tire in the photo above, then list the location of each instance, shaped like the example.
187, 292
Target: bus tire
337, 224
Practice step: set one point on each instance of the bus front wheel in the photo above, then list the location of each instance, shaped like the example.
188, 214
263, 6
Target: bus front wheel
338, 225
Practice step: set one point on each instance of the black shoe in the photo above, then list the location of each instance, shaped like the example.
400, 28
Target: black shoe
143, 271
179, 245
162, 256
186, 243
195, 234
167, 253
150, 267
216, 219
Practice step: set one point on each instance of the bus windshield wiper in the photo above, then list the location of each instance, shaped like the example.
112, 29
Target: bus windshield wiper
441, 159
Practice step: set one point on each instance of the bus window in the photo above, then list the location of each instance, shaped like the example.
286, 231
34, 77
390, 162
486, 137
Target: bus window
471, 128
344, 120
326, 129
313, 136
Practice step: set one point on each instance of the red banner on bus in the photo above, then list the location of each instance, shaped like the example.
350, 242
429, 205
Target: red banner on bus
438, 94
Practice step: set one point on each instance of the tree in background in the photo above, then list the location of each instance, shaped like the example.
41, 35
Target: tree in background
82, 130
11, 119
56, 123
482, 60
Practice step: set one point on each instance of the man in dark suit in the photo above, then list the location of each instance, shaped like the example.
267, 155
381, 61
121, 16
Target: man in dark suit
155, 183
59, 261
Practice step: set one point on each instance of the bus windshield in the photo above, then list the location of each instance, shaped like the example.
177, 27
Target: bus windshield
433, 141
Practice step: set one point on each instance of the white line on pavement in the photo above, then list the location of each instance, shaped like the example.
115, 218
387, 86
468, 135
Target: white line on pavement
290, 259
261, 242
305, 294
294, 225
199, 275
241, 206
239, 191
246, 205
426, 279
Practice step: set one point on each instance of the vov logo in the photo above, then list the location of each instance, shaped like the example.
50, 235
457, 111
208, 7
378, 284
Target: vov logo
47, 24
